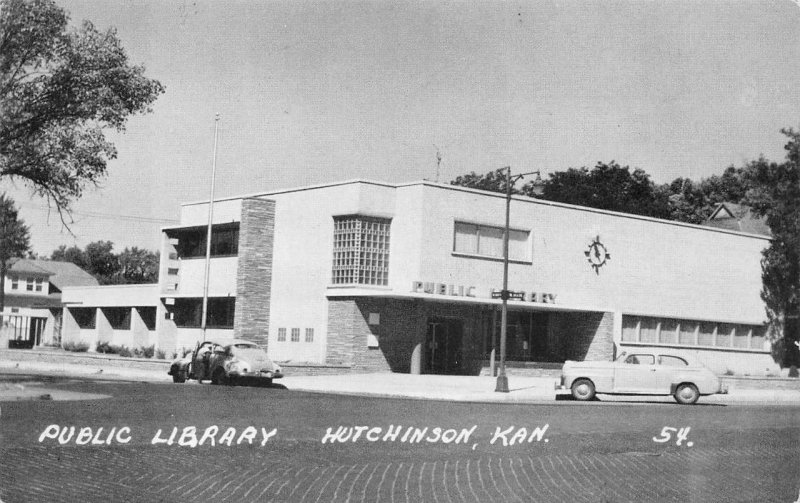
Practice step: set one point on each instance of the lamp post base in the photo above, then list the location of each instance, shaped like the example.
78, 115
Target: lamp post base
502, 384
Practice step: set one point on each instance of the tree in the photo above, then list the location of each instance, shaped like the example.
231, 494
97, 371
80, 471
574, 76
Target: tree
775, 195
607, 187
494, 181
14, 240
137, 266
60, 88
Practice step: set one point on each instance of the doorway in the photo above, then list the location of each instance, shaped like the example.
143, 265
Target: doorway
443, 343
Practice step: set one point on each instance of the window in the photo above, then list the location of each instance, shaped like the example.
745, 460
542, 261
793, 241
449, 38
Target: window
192, 241
671, 332
487, 241
295, 335
281, 335
38, 286
361, 250
672, 361
640, 359
29, 285
85, 317
189, 312
14, 282
118, 317
148, 316
309, 335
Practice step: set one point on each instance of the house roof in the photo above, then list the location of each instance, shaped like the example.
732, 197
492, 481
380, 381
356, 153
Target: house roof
737, 217
60, 274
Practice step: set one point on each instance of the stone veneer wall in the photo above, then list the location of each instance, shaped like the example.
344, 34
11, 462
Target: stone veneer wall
254, 274
403, 325
583, 335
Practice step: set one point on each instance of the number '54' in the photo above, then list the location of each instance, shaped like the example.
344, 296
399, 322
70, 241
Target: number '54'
666, 435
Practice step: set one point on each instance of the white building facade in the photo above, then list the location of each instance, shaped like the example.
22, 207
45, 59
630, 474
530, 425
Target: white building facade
399, 277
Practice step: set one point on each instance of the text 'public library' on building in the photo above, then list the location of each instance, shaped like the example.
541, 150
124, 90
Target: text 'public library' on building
400, 277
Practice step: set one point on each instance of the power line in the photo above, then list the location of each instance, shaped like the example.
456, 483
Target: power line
106, 216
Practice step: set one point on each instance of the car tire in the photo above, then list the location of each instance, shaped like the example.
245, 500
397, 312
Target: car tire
583, 390
178, 376
219, 377
686, 394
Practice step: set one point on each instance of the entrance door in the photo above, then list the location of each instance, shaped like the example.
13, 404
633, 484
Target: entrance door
443, 346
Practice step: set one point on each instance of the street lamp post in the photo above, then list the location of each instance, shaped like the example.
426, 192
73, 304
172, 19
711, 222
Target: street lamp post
502, 378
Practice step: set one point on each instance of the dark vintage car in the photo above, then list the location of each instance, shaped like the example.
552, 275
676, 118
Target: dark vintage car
230, 361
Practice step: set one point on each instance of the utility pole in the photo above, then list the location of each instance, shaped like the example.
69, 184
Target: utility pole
204, 320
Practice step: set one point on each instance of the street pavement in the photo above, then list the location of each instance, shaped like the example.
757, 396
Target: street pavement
139, 444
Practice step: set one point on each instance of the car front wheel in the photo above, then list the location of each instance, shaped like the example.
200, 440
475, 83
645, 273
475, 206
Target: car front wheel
583, 389
687, 394
219, 377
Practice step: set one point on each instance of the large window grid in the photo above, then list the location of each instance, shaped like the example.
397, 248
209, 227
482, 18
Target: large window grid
668, 331
361, 251
487, 241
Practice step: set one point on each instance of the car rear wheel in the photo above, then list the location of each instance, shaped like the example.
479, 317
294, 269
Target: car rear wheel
687, 394
178, 376
219, 377
583, 389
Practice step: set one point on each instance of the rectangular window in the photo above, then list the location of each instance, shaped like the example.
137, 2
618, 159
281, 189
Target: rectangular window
705, 337
361, 250
85, 317
724, 335
38, 284
668, 334
309, 335
189, 312
759, 337
14, 282
687, 332
281, 335
148, 316
630, 329
295, 335
487, 241
118, 317
192, 241
29, 285
647, 332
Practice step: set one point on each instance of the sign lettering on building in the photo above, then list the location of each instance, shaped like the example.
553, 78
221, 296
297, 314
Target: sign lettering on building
469, 291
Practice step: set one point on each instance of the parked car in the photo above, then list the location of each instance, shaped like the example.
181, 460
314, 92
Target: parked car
230, 361
640, 373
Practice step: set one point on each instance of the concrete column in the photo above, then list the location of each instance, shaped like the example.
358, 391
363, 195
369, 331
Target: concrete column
416, 358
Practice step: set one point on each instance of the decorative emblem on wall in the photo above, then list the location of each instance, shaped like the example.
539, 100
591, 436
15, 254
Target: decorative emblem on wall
597, 255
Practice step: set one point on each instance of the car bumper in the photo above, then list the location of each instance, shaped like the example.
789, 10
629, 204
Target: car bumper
257, 375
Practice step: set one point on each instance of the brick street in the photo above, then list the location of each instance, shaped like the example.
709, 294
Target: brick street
595, 452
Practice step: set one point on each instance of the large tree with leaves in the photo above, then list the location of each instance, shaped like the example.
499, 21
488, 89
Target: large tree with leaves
14, 240
775, 195
60, 88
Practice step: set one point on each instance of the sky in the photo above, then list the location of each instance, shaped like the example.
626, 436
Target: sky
314, 92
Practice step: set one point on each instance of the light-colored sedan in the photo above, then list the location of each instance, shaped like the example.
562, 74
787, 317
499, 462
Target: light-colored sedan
640, 373
229, 361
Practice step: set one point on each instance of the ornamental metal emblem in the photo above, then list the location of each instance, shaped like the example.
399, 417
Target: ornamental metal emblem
597, 255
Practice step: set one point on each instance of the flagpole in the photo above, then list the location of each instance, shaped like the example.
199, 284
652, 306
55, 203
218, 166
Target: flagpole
208, 231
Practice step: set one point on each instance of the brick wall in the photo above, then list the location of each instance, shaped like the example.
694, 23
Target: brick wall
583, 336
254, 274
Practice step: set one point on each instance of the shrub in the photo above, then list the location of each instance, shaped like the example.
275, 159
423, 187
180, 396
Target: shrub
161, 354
147, 351
729, 372
105, 347
77, 347
125, 351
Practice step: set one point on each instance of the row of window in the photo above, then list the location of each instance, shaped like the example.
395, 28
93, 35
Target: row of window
118, 317
692, 333
192, 242
188, 312
295, 335
487, 241
31, 284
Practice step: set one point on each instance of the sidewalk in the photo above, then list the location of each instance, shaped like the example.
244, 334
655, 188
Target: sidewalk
421, 387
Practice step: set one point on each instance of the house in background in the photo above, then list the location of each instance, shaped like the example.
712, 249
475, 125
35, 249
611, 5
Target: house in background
32, 313
739, 218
